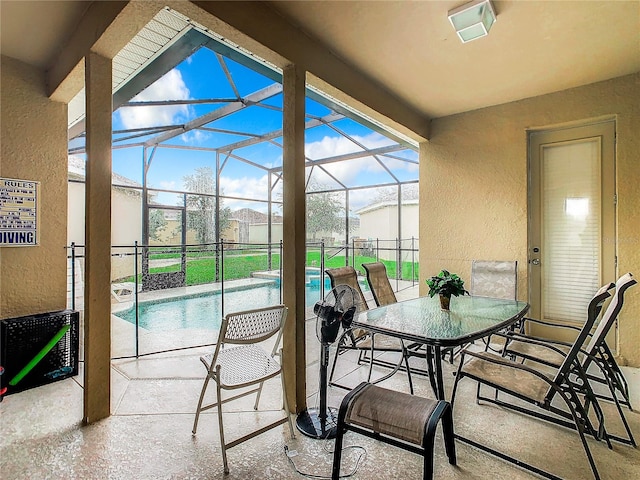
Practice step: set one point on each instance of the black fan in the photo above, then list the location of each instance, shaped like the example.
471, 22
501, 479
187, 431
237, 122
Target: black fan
338, 309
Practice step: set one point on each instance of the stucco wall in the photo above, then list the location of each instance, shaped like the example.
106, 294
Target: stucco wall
34, 147
382, 223
476, 163
126, 225
258, 233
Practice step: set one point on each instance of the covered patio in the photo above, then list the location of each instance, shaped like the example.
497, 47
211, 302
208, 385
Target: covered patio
153, 403
470, 111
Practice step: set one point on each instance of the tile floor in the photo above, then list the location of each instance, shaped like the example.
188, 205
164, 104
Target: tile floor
149, 434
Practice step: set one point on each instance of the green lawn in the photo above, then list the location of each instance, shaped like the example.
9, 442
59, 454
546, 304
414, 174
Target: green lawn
202, 269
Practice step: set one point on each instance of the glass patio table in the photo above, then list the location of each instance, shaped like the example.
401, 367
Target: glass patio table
422, 321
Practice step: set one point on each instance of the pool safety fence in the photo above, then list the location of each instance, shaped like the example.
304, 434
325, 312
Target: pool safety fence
181, 269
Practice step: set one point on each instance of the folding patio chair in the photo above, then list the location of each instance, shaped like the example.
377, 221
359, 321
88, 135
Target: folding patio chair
493, 279
383, 294
379, 283
124, 291
552, 353
540, 387
606, 356
362, 340
239, 362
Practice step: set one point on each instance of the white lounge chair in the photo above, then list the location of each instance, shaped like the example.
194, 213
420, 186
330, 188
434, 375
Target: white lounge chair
123, 291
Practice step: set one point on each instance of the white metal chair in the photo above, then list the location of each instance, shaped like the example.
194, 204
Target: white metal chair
239, 362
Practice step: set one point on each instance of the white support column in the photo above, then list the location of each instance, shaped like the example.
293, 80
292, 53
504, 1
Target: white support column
97, 300
294, 235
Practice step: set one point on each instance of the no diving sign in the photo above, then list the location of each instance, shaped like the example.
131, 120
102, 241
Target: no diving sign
19, 203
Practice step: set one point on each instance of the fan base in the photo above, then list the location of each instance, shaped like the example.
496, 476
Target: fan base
308, 422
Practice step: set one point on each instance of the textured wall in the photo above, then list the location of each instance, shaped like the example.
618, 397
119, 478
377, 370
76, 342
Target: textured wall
34, 147
473, 179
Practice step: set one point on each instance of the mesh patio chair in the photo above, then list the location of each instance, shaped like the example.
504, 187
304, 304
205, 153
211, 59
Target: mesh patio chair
596, 352
363, 341
379, 283
540, 388
493, 279
383, 294
606, 361
239, 362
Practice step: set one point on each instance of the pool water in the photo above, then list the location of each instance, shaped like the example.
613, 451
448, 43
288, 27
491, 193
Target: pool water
204, 311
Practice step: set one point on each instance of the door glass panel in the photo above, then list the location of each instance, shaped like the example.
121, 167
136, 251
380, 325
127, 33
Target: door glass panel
571, 228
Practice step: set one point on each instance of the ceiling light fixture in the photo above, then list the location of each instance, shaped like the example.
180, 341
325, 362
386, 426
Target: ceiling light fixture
473, 20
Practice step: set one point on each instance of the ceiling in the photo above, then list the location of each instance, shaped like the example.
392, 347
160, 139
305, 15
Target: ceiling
410, 48
535, 47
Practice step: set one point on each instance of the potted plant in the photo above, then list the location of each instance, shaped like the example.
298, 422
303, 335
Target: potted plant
446, 284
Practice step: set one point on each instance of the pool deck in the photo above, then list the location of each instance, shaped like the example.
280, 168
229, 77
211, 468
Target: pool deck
153, 399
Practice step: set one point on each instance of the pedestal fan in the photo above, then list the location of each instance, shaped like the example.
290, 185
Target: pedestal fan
336, 310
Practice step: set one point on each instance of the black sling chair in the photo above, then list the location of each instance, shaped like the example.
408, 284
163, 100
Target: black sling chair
540, 388
597, 352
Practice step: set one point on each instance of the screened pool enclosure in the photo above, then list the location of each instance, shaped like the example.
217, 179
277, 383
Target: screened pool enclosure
198, 173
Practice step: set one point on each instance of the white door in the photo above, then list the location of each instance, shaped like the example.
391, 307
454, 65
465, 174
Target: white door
571, 220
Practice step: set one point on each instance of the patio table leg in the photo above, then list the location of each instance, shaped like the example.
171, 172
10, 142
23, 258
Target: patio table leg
438, 371
434, 368
430, 370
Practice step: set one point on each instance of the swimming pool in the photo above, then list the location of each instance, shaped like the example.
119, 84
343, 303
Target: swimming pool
204, 311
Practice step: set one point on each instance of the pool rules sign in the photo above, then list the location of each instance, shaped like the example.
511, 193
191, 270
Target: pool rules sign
19, 203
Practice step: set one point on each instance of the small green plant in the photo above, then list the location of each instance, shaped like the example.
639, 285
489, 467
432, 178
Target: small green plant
446, 284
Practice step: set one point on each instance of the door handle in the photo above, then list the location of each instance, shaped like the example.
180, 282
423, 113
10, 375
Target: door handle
536, 261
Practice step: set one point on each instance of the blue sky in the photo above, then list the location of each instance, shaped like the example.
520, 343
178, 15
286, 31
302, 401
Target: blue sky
202, 77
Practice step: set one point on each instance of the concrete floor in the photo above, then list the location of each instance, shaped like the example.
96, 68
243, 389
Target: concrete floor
153, 402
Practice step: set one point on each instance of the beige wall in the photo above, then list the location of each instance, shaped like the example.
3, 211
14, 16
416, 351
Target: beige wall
34, 147
126, 213
126, 225
258, 233
382, 223
477, 161
232, 232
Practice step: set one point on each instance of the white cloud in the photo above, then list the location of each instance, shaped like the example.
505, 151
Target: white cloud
194, 136
168, 185
246, 187
169, 87
347, 170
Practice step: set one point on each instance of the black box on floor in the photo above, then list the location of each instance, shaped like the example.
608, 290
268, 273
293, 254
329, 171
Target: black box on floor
38, 349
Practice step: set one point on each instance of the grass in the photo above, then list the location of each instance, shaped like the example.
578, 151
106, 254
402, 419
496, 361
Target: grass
201, 270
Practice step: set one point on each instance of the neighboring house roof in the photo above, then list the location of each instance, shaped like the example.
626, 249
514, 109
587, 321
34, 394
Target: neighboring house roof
251, 216
385, 204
